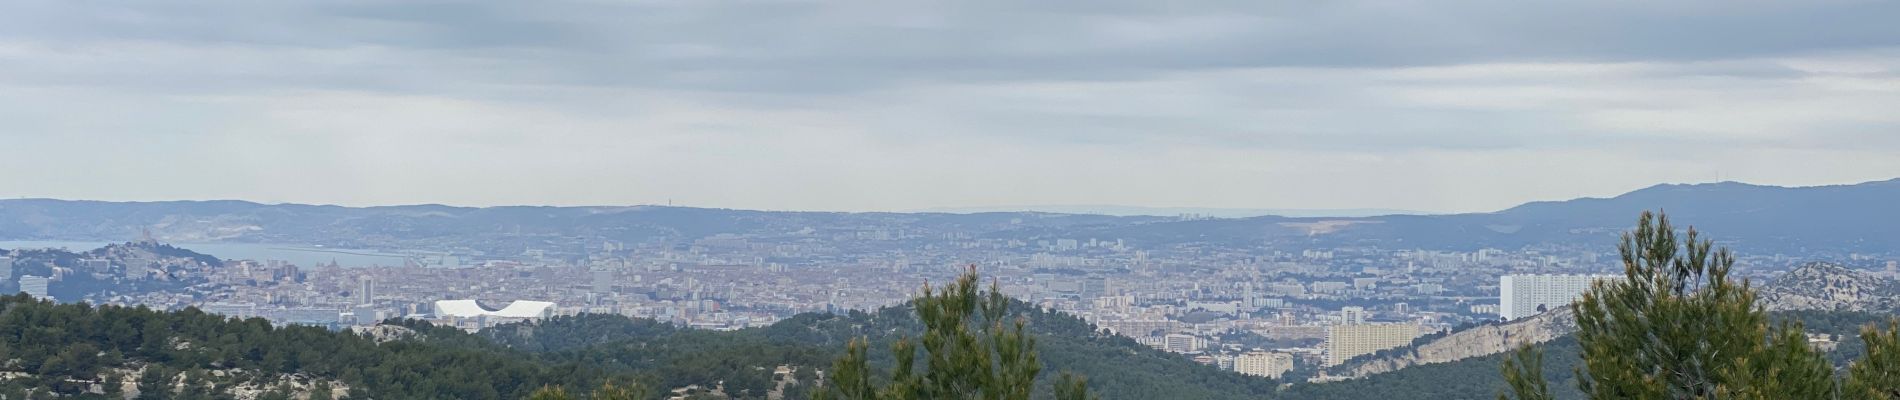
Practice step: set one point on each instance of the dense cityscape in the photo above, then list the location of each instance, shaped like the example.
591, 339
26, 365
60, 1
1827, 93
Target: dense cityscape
1260, 311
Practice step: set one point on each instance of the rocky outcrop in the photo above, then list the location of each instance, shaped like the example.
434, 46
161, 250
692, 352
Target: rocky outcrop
384, 333
1475, 342
1829, 287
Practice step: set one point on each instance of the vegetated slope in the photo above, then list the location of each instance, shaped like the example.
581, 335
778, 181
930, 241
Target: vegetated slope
1116, 366
68, 348
74, 348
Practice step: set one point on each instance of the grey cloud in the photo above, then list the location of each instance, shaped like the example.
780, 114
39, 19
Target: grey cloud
818, 47
759, 101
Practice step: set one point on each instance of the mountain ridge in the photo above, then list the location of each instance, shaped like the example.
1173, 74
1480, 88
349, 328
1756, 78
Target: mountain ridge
1769, 219
959, 209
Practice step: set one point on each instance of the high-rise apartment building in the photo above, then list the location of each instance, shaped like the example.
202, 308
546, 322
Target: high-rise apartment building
1352, 315
1181, 343
603, 281
1344, 342
97, 266
1523, 295
1262, 363
6, 268
367, 293
36, 286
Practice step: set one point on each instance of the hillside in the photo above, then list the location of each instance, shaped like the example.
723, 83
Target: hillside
1807, 292
1116, 365
76, 349
1479, 341
60, 347
117, 268
1477, 378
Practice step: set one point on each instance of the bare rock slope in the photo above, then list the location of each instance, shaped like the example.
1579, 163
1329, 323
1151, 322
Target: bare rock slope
1829, 287
1475, 342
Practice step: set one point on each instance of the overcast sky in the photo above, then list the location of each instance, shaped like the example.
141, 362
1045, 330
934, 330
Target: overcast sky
896, 105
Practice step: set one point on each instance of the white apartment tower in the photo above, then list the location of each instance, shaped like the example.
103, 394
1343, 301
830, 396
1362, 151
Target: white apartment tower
1343, 342
1352, 315
603, 281
367, 293
1180, 343
1521, 295
1262, 363
35, 286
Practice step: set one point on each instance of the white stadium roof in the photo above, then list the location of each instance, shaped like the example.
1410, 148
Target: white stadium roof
517, 309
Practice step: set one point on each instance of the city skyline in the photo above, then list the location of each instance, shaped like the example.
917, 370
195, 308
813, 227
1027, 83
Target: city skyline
1446, 107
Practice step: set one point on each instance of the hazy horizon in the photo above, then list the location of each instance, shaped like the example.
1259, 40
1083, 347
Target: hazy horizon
1098, 209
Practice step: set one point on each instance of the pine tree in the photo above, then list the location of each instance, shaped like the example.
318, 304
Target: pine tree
281, 392
1877, 376
1074, 387
850, 377
321, 391
197, 386
1676, 327
630, 391
1524, 371
114, 384
155, 383
550, 393
970, 350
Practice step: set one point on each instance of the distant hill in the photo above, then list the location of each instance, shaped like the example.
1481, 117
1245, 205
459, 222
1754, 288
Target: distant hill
501, 228
1762, 219
1130, 211
1843, 217
117, 268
